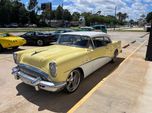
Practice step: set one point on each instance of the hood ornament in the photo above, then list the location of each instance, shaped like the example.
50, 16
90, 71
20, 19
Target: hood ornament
36, 52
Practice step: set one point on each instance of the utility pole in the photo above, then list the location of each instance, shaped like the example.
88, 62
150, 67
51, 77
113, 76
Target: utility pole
115, 17
63, 13
149, 48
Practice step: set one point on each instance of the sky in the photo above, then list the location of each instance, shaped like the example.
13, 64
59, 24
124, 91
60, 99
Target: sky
134, 8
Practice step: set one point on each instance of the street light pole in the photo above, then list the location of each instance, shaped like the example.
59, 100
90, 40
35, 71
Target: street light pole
115, 17
149, 48
62, 12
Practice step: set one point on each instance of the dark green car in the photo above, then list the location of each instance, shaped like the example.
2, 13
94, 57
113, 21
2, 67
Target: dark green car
101, 28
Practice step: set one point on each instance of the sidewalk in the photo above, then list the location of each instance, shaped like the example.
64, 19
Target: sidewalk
128, 90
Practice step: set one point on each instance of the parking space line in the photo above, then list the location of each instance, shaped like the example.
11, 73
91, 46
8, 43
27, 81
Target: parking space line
124, 47
86, 97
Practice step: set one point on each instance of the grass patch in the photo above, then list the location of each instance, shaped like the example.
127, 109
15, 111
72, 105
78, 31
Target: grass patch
25, 29
127, 30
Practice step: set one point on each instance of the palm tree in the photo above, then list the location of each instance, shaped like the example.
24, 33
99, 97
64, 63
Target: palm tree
122, 16
119, 15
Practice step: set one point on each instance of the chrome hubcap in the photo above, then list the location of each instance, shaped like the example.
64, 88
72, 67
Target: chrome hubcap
73, 81
40, 42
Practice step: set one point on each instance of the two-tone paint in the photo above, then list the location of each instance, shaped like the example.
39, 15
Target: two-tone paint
68, 58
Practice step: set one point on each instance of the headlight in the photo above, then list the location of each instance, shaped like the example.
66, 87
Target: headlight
15, 58
53, 69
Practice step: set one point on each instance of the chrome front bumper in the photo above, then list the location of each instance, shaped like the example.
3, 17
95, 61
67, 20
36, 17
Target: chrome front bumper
38, 83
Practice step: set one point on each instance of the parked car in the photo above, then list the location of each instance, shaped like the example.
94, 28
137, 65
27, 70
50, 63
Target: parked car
100, 28
14, 25
30, 25
65, 65
10, 41
59, 31
38, 38
147, 27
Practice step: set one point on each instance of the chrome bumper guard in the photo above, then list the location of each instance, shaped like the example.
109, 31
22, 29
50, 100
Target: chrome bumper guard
38, 83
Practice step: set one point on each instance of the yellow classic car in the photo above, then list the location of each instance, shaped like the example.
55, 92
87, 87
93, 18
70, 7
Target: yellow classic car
64, 65
10, 41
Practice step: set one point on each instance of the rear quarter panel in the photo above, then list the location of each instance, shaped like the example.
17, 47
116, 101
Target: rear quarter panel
116, 45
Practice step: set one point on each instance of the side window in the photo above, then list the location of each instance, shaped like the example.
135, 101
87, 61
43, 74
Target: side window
97, 27
29, 34
98, 42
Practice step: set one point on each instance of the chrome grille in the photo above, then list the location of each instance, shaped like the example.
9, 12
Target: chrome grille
32, 71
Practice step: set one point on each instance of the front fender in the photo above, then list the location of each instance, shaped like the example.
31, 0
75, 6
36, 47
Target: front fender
71, 63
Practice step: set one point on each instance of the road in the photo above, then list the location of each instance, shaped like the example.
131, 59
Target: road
16, 97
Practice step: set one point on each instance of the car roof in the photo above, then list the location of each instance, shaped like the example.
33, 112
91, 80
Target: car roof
98, 25
86, 33
86, 27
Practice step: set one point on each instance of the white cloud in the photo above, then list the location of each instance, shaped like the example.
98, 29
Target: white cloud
134, 8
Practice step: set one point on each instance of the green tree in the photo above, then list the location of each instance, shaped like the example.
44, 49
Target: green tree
87, 16
52, 13
59, 13
122, 17
149, 17
5, 11
23, 15
67, 15
75, 16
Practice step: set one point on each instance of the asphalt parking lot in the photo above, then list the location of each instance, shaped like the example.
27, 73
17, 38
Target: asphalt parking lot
118, 94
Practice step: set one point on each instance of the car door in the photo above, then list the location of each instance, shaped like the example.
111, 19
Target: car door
98, 56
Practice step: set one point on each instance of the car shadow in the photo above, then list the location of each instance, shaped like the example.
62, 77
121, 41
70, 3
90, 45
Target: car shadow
61, 101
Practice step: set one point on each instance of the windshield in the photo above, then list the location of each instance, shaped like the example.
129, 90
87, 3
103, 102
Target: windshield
4, 35
74, 40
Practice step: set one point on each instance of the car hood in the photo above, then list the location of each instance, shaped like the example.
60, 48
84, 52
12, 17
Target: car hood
41, 57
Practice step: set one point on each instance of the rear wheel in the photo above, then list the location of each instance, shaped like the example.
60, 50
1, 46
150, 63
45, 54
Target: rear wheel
115, 56
73, 81
40, 42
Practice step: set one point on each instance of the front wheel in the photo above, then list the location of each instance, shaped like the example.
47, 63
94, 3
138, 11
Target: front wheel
40, 42
73, 81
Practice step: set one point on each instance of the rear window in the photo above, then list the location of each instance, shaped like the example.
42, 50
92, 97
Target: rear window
97, 27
